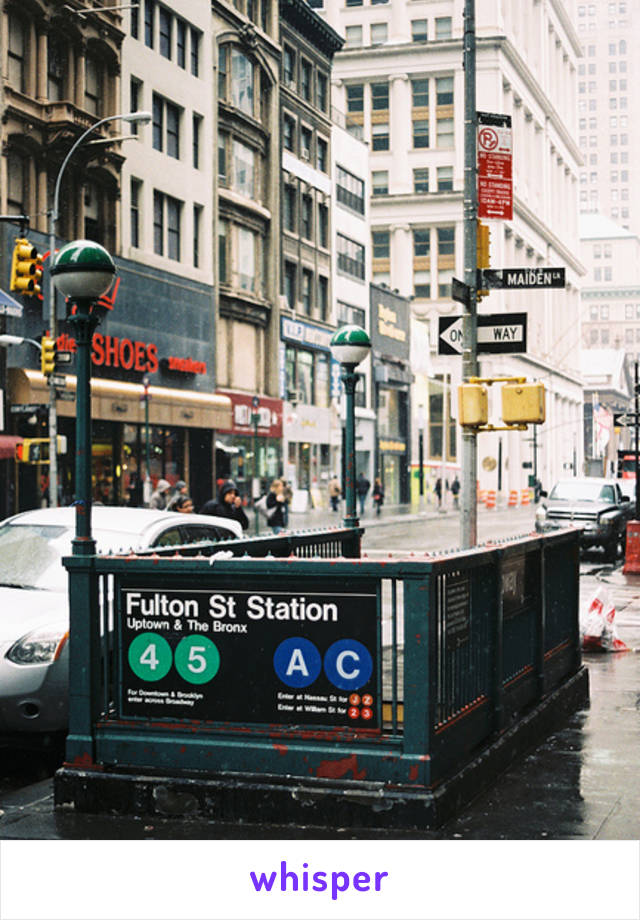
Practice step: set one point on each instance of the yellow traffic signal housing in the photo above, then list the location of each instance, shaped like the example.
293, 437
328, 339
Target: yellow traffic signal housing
523, 403
483, 248
26, 268
36, 450
473, 405
47, 355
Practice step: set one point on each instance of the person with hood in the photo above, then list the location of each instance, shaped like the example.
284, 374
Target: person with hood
180, 500
159, 497
276, 505
228, 504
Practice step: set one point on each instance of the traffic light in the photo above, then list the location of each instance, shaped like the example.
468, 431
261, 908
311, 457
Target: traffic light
523, 403
473, 405
36, 450
47, 355
26, 268
483, 247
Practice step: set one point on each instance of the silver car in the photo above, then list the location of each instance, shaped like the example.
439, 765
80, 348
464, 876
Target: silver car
34, 607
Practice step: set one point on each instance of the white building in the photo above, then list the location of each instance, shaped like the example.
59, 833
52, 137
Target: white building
400, 83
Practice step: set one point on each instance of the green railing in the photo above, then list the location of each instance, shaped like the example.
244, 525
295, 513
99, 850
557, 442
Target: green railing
404, 668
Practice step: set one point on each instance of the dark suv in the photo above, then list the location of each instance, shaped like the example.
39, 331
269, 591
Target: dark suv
598, 506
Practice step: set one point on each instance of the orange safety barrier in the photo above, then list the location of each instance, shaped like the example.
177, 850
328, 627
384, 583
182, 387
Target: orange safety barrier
482, 495
526, 497
490, 499
513, 499
632, 552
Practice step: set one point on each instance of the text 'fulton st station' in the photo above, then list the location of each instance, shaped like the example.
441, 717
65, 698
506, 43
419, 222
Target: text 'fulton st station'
188, 652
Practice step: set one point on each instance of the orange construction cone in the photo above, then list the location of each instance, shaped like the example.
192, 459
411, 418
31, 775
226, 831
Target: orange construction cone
490, 499
513, 499
526, 497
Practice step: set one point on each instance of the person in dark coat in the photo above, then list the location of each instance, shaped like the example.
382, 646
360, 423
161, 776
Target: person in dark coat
362, 487
378, 494
277, 506
227, 505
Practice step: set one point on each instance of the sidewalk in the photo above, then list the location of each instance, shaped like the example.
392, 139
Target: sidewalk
582, 783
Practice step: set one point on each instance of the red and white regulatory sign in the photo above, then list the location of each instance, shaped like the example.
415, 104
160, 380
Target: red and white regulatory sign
495, 177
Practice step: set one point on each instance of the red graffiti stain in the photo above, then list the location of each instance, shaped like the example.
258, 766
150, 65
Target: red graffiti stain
336, 769
281, 749
413, 773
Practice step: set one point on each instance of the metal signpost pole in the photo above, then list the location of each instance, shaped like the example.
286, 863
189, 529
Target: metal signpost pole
636, 423
255, 492
350, 379
469, 511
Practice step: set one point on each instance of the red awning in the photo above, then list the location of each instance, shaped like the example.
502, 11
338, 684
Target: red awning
8, 446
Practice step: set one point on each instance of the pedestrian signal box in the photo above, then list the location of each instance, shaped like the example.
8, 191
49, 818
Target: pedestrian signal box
47, 355
523, 404
473, 405
36, 450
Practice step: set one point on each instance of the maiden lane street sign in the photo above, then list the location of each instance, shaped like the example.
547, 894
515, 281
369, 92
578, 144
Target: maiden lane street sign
521, 278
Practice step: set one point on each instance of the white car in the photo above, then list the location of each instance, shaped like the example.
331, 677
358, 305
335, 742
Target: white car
34, 604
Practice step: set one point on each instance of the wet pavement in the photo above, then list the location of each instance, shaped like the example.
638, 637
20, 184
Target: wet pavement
582, 783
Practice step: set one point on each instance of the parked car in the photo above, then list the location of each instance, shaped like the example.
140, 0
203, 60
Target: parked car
597, 506
34, 605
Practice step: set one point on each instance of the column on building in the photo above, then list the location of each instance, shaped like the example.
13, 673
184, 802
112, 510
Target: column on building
401, 249
400, 181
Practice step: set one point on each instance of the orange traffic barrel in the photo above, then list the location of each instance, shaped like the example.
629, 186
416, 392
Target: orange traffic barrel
632, 552
526, 497
490, 499
513, 499
482, 495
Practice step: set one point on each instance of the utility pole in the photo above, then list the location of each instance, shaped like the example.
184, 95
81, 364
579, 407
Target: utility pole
636, 407
469, 510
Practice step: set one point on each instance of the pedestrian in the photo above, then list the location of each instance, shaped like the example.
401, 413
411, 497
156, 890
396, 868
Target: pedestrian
160, 495
362, 488
180, 500
228, 504
288, 496
438, 490
378, 494
455, 490
276, 506
335, 491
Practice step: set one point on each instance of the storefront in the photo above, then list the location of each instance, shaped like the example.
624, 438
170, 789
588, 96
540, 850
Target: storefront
158, 327
309, 382
248, 453
392, 378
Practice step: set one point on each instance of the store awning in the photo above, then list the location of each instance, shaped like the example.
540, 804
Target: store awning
116, 400
8, 446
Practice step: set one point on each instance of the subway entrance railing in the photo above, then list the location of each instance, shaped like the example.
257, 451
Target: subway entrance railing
298, 679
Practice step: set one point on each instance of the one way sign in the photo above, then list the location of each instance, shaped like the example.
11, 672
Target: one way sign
498, 333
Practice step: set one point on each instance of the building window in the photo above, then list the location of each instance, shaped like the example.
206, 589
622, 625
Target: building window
323, 155
241, 82
134, 22
166, 219
174, 208
379, 33
353, 36
306, 80
323, 226
244, 170
446, 241
223, 251
158, 223
444, 90
421, 180
195, 52
288, 132
197, 215
443, 27
166, 126
56, 65
135, 92
419, 30
290, 284
381, 244
350, 190
305, 143
350, 257
181, 43
306, 217
379, 96
93, 86
380, 136
323, 297
149, 15
422, 242
17, 53
134, 212
355, 98
197, 124
445, 178
322, 86
420, 132
444, 132
289, 208
289, 66
350, 316
164, 32
307, 282
246, 259
380, 182
420, 93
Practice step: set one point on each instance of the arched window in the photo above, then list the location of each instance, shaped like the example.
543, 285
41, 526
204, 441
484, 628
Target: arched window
236, 79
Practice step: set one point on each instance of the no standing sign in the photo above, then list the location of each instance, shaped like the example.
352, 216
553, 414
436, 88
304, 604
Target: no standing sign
495, 176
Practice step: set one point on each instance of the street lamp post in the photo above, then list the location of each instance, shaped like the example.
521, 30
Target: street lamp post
350, 345
421, 451
83, 271
146, 486
255, 492
144, 117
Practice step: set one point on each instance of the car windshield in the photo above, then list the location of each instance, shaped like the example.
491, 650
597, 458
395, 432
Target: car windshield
30, 554
583, 492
